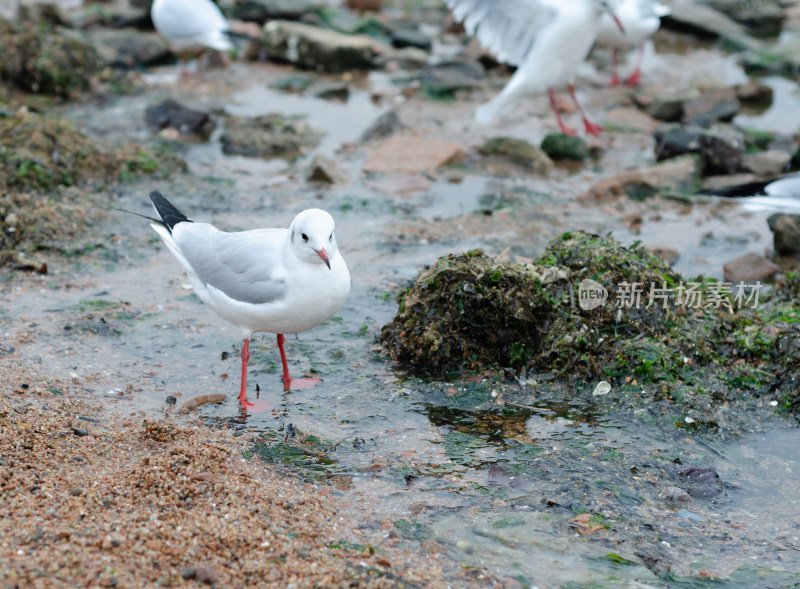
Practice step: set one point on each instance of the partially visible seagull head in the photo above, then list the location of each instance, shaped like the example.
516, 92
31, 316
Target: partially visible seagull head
609, 7
312, 237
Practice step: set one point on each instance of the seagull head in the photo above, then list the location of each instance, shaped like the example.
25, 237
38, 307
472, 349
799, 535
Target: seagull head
312, 237
609, 6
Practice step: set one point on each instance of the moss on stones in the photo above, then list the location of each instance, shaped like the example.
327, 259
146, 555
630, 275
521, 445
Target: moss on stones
49, 60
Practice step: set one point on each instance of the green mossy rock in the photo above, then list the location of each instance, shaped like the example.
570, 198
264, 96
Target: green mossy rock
41, 59
471, 311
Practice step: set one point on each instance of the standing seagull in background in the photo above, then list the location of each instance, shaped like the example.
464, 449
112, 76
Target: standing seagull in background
546, 39
264, 280
191, 23
641, 19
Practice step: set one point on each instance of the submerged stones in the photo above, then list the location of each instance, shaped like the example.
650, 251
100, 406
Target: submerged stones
268, 136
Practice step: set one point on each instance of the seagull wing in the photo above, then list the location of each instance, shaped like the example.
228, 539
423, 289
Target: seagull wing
245, 266
508, 28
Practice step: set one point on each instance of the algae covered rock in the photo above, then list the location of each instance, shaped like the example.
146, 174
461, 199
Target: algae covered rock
49, 179
46, 60
39, 153
467, 311
471, 311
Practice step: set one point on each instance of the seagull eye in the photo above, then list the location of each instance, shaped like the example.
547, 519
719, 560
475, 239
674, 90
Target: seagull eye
331, 237
304, 236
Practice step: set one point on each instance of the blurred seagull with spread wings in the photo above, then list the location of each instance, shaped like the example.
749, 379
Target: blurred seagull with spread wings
641, 19
546, 39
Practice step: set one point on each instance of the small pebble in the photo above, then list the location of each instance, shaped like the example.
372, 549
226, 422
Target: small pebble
76, 491
171, 400
80, 432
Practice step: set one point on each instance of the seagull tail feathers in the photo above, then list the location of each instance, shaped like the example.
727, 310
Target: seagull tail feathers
489, 111
169, 215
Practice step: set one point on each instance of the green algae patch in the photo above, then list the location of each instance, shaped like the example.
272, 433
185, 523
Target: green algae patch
41, 59
51, 176
702, 364
38, 152
470, 312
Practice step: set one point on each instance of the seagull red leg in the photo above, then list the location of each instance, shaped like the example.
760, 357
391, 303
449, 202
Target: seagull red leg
245, 358
614, 68
636, 77
564, 129
591, 128
290, 383
287, 380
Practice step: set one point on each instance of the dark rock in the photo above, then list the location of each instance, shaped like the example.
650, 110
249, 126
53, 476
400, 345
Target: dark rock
267, 136
667, 109
129, 48
173, 114
561, 146
365, 5
442, 80
519, 152
385, 125
171, 400
318, 49
749, 268
711, 107
675, 140
698, 481
409, 38
754, 93
334, 91
721, 151
188, 573
786, 233
79, 432
261, 11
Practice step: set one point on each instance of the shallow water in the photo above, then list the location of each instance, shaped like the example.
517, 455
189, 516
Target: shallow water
500, 473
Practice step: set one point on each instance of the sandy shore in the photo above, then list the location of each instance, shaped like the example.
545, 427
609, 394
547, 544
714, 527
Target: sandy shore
95, 500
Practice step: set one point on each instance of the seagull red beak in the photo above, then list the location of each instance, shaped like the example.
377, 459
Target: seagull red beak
619, 22
324, 255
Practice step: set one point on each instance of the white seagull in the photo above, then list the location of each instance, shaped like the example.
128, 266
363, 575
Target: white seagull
546, 39
191, 23
263, 280
640, 19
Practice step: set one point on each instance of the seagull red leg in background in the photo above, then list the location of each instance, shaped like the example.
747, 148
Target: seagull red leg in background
564, 129
614, 67
636, 77
591, 128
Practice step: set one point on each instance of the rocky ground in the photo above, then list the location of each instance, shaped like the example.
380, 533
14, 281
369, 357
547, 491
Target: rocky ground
367, 107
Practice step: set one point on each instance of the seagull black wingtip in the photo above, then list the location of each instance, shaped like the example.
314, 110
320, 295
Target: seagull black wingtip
170, 216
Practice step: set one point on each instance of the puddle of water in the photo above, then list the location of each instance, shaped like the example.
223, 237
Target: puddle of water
341, 122
783, 115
